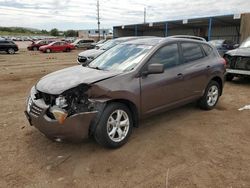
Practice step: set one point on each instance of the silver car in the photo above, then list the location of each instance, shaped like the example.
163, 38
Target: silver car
85, 57
83, 43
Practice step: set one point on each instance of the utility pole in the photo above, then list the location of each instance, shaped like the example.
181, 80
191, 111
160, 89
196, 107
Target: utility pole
144, 15
98, 19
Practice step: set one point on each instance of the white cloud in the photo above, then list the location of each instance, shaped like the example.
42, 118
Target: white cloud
79, 14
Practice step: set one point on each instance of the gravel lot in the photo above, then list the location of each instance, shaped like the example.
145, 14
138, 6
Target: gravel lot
186, 147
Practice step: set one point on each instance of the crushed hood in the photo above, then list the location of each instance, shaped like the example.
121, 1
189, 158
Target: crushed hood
245, 52
91, 53
57, 82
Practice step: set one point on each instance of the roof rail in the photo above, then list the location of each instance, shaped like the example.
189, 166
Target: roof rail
188, 37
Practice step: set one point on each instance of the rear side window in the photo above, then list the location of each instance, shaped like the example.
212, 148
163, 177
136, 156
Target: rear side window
191, 51
167, 55
207, 49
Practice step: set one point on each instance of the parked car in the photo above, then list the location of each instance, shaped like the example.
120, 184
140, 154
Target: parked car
35, 45
238, 61
57, 47
129, 82
99, 44
85, 57
223, 45
83, 43
8, 46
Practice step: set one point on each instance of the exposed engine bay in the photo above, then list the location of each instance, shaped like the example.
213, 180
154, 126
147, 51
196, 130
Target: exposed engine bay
70, 102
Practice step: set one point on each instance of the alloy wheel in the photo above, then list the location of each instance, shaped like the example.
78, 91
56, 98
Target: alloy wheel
118, 125
212, 95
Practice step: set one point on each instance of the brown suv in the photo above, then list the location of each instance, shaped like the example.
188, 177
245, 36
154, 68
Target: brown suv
129, 82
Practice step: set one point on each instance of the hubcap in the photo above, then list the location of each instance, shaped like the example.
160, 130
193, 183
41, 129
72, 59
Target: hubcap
118, 125
212, 95
11, 51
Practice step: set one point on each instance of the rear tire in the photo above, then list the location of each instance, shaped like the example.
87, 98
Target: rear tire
211, 96
67, 50
35, 48
229, 77
115, 126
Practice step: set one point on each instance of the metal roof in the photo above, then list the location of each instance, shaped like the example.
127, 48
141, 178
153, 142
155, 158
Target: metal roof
226, 20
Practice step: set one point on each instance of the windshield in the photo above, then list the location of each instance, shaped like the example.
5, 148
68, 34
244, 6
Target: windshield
245, 43
37, 42
101, 41
109, 44
123, 57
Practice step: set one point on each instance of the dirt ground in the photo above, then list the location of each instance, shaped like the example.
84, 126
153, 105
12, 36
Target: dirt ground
186, 147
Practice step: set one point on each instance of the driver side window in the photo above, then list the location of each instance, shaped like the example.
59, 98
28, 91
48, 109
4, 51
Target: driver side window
167, 55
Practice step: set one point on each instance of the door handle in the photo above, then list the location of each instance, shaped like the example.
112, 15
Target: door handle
208, 67
180, 76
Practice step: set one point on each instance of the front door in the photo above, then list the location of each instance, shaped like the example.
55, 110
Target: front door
160, 91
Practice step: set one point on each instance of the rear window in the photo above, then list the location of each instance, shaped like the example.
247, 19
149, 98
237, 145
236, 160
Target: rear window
191, 51
207, 49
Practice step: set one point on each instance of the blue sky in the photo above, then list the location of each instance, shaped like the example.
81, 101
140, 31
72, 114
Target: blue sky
81, 14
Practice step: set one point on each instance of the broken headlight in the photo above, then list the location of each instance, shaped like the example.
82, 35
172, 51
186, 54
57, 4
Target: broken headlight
61, 101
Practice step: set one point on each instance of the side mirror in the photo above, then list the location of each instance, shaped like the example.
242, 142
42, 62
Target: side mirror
154, 69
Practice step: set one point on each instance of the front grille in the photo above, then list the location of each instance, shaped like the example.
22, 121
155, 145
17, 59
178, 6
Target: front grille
243, 63
35, 110
82, 59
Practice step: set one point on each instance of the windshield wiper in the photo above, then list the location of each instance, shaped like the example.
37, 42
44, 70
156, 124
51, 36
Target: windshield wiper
97, 68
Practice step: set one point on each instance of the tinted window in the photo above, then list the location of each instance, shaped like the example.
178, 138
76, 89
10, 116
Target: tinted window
4, 42
208, 50
191, 51
167, 55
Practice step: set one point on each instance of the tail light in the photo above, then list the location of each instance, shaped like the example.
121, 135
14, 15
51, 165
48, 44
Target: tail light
224, 62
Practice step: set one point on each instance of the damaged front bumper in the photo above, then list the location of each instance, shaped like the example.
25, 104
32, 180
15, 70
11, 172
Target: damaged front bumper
74, 128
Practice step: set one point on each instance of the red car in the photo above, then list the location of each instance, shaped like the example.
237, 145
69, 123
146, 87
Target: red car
57, 47
35, 45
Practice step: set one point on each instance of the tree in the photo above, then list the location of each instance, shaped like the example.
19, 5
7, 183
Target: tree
71, 33
43, 31
54, 32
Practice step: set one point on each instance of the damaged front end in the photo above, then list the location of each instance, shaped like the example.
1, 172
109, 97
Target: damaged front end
237, 65
68, 115
70, 102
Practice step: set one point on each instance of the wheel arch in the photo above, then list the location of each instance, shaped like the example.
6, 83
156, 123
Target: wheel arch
132, 107
219, 81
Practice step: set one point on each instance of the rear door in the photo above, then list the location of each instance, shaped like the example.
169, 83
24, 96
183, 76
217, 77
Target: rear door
195, 69
56, 46
63, 46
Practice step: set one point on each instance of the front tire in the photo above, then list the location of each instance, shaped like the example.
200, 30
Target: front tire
211, 96
115, 126
11, 51
48, 50
35, 48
